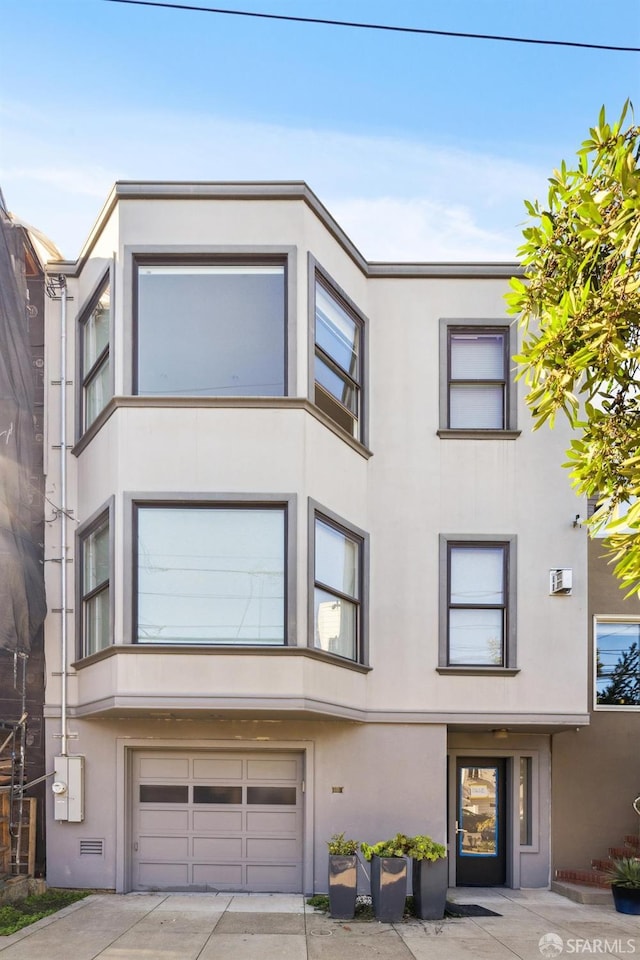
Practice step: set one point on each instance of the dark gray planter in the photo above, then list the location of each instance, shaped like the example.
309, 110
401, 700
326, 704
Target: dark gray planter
626, 899
388, 888
343, 883
430, 881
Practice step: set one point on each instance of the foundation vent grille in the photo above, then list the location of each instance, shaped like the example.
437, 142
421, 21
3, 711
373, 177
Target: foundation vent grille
93, 848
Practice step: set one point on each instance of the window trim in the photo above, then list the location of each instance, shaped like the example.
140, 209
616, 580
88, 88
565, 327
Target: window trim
478, 325
134, 501
316, 511
613, 618
84, 531
317, 274
508, 667
203, 254
85, 377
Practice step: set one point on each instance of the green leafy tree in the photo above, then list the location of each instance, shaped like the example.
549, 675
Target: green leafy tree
579, 306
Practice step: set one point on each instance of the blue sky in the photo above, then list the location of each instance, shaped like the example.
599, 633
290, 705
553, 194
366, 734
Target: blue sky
422, 147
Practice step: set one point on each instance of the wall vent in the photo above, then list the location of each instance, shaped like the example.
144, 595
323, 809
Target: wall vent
93, 848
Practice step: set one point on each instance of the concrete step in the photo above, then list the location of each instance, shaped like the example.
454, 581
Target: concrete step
581, 893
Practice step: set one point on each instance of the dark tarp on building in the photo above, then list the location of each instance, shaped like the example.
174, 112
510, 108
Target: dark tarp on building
22, 598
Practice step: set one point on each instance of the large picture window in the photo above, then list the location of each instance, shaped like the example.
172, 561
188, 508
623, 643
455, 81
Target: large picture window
338, 333
211, 574
95, 330
337, 601
94, 587
214, 329
617, 673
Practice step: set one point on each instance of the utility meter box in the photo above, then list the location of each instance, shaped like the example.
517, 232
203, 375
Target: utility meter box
68, 789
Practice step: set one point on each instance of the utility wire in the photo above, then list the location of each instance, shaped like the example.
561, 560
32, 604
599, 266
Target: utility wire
377, 26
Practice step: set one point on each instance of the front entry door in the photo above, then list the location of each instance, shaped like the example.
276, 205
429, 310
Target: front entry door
481, 832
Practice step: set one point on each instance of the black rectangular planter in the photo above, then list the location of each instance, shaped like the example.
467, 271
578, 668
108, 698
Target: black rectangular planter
388, 888
430, 881
343, 882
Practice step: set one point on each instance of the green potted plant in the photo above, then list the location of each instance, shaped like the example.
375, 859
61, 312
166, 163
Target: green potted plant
343, 876
388, 877
624, 877
430, 876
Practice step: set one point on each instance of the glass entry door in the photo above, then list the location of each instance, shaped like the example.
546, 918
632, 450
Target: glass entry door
481, 822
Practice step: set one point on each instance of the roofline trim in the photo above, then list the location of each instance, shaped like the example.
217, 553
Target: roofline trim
275, 190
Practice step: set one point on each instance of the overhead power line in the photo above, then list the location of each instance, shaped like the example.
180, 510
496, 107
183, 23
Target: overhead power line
378, 26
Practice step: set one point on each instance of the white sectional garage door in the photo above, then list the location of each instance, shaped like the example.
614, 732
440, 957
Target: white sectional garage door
223, 821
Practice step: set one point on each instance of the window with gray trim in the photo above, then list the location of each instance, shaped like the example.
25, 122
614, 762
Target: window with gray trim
210, 328
338, 367
95, 565
476, 392
338, 588
95, 331
479, 602
210, 573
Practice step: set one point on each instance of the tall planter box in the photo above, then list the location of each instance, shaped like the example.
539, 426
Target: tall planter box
626, 899
388, 888
430, 882
343, 883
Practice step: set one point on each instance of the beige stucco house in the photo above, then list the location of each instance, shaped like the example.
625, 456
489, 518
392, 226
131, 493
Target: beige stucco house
319, 575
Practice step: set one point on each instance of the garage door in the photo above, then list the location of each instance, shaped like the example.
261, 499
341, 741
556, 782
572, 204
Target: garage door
217, 822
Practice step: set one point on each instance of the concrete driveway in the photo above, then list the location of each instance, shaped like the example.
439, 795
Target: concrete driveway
533, 924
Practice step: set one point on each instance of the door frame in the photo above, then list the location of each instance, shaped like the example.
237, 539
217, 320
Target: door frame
513, 846
125, 786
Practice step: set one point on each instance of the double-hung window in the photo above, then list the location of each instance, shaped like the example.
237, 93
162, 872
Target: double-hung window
617, 669
211, 573
338, 364
95, 329
214, 328
337, 589
478, 614
95, 566
476, 393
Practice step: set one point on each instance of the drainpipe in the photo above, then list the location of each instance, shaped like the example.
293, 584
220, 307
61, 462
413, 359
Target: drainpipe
63, 514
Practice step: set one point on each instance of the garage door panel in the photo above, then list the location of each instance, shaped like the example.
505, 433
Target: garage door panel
164, 848
217, 848
271, 848
161, 767
217, 769
226, 876
167, 821
280, 878
165, 875
222, 821
272, 821
229, 821
282, 769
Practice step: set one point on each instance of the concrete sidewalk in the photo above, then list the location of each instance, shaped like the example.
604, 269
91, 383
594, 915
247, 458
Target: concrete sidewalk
280, 927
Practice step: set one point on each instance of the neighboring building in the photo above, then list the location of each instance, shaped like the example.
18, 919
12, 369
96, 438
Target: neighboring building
313, 541
596, 770
22, 607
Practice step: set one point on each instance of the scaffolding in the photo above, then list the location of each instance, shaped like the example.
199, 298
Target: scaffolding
17, 812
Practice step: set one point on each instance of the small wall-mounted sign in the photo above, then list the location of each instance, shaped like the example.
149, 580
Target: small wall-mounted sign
337, 789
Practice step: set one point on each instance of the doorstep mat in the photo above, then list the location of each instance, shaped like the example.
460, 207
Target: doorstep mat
468, 910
